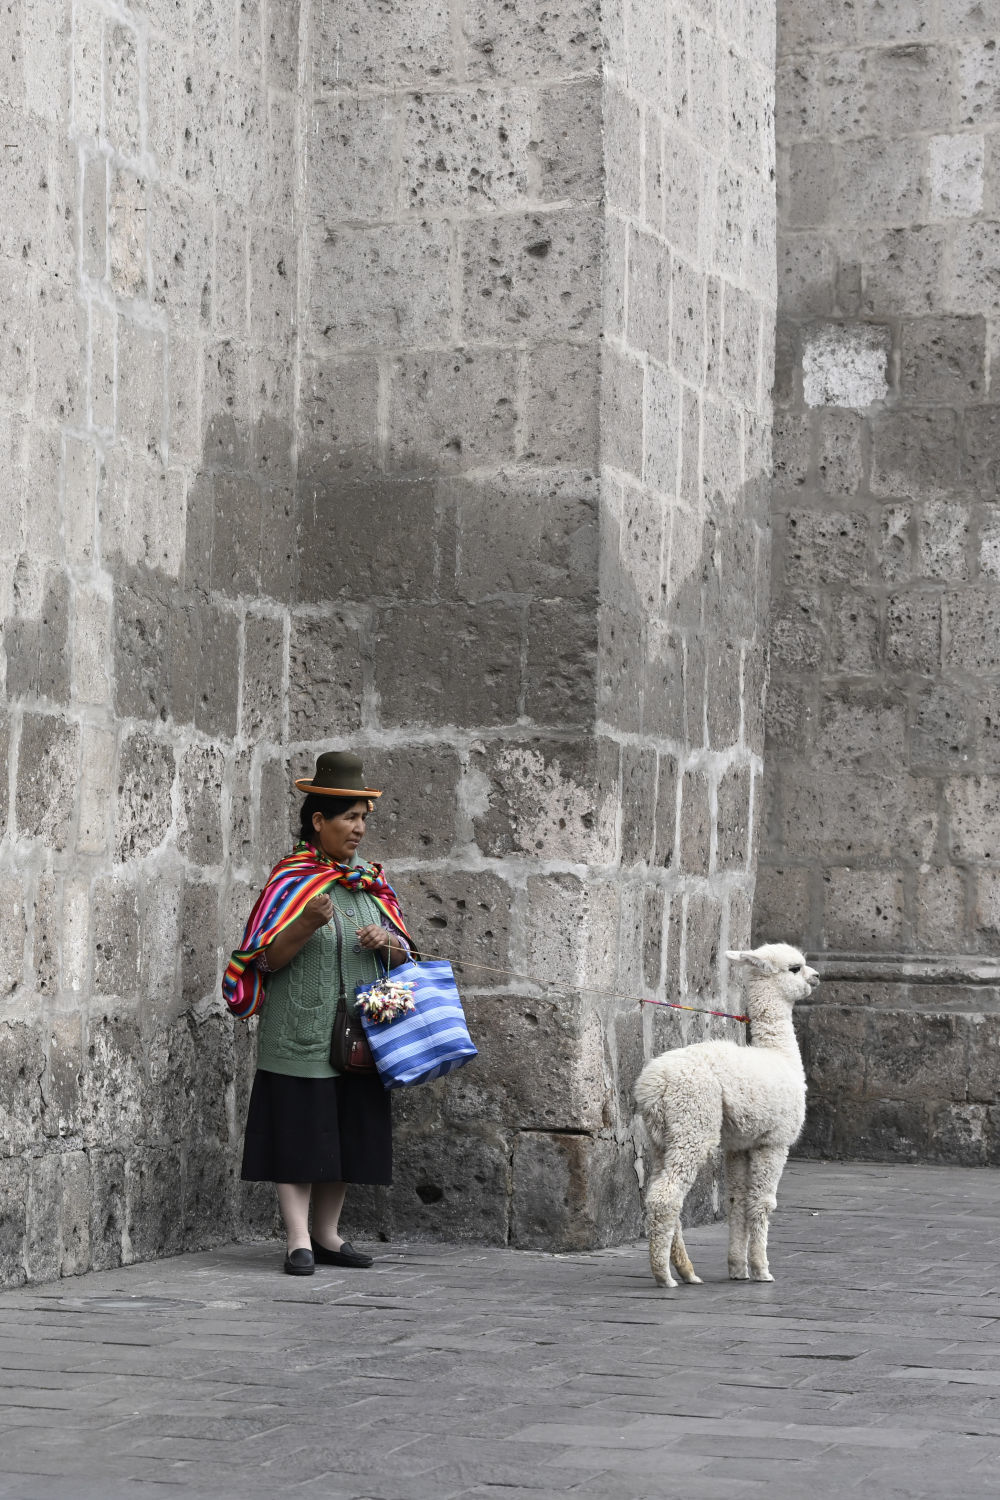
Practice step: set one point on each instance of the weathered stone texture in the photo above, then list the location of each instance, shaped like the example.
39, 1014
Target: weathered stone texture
410, 394
689, 300
882, 809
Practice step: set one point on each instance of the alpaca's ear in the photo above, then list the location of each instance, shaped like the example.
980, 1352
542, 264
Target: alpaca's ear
749, 957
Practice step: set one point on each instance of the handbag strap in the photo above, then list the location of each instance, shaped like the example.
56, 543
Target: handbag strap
338, 927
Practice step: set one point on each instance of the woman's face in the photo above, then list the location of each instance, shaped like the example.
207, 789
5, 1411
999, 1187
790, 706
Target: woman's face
339, 837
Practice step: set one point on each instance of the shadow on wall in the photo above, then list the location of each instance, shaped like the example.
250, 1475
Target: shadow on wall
452, 615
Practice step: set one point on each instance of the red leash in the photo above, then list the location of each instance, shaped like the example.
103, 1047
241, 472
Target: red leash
671, 1005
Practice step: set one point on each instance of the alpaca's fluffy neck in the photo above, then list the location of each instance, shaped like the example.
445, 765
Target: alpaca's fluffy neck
771, 1026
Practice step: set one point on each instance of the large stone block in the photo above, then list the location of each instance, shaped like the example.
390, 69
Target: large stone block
566, 136
200, 942
338, 416
74, 1216
143, 813
648, 327
203, 669
733, 797
973, 804
665, 839
840, 458
620, 671
781, 905
451, 1189
914, 452
854, 635
38, 646
639, 790
534, 535
621, 412
382, 287
943, 360
521, 40
929, 1061
561, 664
416, 813
695, 823
824, 547
535, 271
466, 150
460, 916
13, 1222
452, 411
571, 1192
326, 678
47, 774
394, 42
199, 833
862, 909
974, 631
448, 664
337, 558
880, 1129
570, 931
154, 1218
113, 1106
116, 937
23, 1063
263, 677
703, 935
539, 1066
108, 1208
141, 623
209, 1187
837, 814
547, 795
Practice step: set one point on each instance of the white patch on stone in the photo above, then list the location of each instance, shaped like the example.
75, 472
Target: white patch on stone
845, 366
474, 794
955, 174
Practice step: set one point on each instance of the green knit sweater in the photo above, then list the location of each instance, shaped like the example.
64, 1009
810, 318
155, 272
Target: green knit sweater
300, 999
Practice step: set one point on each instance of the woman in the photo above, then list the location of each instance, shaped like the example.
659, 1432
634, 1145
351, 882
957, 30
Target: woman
310, 1129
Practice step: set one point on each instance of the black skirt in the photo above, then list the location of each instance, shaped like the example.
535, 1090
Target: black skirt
318, 1130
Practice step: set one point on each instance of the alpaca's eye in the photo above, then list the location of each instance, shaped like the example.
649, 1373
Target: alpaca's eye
795, 968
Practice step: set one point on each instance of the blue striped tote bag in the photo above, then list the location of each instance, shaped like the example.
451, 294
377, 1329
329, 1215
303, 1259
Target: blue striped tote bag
428, 1041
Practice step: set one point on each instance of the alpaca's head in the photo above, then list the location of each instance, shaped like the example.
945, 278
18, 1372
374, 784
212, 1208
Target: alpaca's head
776, 970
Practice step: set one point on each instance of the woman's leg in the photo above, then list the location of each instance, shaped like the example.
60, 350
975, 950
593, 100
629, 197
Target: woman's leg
293, 1200
328, 1200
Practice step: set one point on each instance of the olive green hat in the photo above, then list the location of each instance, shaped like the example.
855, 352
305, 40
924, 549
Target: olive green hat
338, 774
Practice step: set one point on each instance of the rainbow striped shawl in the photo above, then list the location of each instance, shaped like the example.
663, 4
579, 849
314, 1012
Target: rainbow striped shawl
293, 882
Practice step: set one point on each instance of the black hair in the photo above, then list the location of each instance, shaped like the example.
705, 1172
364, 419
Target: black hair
330, 807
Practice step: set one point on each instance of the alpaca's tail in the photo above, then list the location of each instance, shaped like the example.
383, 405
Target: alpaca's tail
648, 1096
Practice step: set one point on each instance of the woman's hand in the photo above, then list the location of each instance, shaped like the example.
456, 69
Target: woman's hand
317, 912
374, 937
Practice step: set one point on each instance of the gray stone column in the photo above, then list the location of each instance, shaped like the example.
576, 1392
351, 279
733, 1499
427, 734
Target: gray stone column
884, 802
533, 452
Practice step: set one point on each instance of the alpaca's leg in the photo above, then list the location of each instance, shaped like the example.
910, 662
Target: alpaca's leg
663, 1211
681, 1259
664, 1201
766, 1167
737, 1186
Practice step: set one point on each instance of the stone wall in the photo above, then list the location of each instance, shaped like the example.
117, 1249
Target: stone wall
448, 459
147, 569
394, 376
686, 428
883, 758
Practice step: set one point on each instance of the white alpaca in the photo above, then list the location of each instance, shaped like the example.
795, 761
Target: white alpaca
750, 1100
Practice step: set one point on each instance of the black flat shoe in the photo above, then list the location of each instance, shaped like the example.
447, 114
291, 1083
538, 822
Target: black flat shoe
299, 1263
345, 1256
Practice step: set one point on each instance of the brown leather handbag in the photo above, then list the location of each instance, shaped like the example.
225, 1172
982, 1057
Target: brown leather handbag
349, 1049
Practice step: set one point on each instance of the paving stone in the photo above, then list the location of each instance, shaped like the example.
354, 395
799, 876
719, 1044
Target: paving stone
521, 1373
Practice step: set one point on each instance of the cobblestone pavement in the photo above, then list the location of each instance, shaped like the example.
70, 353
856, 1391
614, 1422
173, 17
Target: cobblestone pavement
871, 1364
